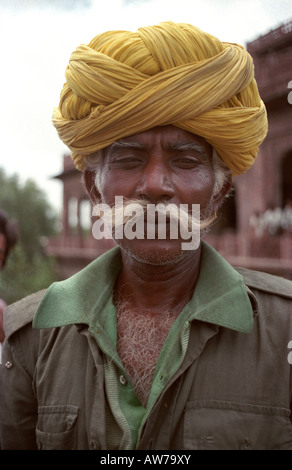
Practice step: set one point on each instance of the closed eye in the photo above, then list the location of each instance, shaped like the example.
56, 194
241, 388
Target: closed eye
126, 162
187, 162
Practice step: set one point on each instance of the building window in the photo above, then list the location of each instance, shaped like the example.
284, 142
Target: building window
85, 216
72, 214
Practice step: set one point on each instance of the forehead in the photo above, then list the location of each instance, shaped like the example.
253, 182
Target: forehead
165, 137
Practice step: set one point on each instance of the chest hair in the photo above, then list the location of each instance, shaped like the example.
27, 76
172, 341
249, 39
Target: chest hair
141, 336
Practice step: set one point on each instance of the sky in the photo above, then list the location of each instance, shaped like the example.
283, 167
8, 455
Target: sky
38, 36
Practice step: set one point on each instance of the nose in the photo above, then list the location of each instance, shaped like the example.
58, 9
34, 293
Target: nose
155, 183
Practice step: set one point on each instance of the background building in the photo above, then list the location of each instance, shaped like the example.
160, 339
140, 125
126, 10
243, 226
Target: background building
254, 229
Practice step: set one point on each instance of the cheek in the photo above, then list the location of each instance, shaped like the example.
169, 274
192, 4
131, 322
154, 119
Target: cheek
114, 184
107, 186
199, 188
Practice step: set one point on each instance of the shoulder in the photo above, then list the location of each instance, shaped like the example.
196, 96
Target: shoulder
268, 283
20, 313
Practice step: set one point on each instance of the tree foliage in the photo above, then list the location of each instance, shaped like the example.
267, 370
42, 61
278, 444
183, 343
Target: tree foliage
28, 269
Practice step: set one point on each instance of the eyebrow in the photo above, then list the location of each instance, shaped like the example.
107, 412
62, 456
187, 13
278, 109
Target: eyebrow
125, 144
189, 146
180, 146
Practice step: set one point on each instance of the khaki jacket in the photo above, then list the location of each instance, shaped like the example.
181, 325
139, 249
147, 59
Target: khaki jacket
232, 391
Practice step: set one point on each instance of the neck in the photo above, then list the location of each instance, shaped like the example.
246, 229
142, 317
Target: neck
158, 288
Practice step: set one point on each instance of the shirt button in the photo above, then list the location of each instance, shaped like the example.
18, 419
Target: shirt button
8, 365
93, 445
245, 444
123, 380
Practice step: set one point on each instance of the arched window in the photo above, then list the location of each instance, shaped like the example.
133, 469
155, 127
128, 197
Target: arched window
85, 215
72, 215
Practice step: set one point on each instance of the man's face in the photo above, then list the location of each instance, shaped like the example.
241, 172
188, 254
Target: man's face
162, 165
2, 249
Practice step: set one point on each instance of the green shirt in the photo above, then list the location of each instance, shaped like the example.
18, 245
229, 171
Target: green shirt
87, 298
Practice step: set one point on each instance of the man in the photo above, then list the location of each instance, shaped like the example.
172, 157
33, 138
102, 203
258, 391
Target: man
8, 238
153, 346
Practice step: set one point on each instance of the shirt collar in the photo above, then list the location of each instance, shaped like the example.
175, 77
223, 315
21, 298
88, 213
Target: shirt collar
81, 297
220, 296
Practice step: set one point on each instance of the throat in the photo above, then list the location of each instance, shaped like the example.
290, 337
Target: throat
141, 336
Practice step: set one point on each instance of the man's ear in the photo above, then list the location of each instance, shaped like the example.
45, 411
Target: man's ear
92, 191
219, 197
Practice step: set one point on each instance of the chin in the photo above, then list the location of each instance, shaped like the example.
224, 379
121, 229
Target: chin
154, 252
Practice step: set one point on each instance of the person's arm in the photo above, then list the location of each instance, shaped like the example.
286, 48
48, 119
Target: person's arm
18, 405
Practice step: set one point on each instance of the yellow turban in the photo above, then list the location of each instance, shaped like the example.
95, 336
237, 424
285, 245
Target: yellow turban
125, 82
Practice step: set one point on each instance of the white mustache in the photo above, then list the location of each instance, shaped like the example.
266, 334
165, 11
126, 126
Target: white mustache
171, 214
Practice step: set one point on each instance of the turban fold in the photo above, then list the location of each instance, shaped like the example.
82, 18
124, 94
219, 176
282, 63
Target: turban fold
123, 83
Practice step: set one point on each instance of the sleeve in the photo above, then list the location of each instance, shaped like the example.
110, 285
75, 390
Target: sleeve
18, 408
